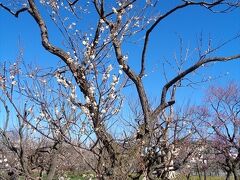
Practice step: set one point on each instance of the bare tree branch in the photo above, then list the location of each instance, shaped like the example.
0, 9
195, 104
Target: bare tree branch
16, 14
201, 62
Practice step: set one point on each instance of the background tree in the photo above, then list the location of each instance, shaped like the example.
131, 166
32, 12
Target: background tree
43, 121
222, 117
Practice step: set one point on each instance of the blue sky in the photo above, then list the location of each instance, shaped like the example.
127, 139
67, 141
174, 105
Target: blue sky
23, 33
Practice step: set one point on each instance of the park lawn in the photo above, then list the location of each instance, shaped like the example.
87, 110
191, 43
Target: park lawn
81, 177
197, 178
69, 176
178, 178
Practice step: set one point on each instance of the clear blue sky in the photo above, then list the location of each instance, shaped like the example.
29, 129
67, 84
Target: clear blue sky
189, 24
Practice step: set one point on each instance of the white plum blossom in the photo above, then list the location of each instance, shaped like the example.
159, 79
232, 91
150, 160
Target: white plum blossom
130, 6
42, 1
84, 42
42, 115
87, 100
70, 26
56, 110
44, 81
172, 175
114, 10
113, 86
14, 83
193, 160
73, 92
125, 58
92, 56
111, 96
91, 90
148, 1
109, 69
106, 75
102, 28
91, 66
61, 80
12, 77
115, 79
73, 107
120, 17
95, 105
83, 130
61, 178
85, 110
103, 111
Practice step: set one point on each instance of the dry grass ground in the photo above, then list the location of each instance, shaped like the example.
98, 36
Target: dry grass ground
197, 178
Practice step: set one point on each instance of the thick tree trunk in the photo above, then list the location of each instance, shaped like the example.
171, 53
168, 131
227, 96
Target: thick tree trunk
199, 173
110, 145
235, 174
188, 176
205, 175
53, 166
53, 161
13, 175
228, 175
24, 164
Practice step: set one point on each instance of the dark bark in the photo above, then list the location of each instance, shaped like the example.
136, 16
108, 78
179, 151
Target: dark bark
53, 161
228, 175
13, 175
188, 176
199, 173
52, 168
235, 174
205, 175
